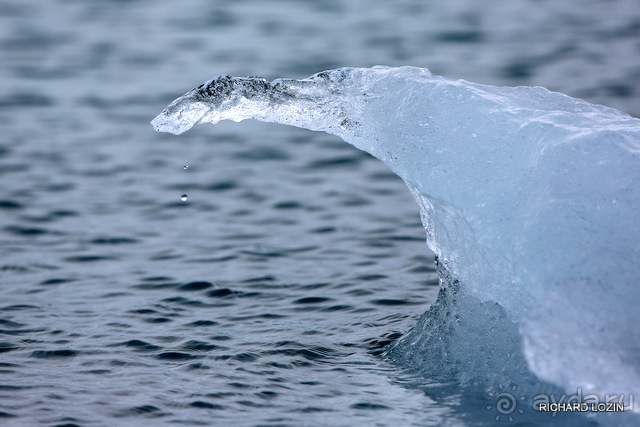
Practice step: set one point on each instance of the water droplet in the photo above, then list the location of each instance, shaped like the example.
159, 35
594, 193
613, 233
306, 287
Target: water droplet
184, 197
186, 166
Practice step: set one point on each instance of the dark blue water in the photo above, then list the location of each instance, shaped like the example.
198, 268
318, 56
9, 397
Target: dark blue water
269, 295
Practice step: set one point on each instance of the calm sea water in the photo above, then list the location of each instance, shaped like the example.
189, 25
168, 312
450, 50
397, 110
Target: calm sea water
267, 297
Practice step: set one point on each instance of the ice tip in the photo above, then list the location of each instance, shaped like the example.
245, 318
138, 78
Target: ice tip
181, 115
161, 123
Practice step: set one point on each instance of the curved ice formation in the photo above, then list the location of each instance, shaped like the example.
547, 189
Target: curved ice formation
530, 200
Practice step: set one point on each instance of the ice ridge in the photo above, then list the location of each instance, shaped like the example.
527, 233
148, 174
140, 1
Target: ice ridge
529, 199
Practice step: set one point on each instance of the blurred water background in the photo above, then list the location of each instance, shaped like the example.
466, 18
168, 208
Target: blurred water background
266, 297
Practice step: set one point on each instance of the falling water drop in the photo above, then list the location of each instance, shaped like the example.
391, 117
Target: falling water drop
184, 197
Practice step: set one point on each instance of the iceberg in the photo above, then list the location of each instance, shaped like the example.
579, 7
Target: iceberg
530, 200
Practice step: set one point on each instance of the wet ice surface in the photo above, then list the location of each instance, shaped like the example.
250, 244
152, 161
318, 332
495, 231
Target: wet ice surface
266, 297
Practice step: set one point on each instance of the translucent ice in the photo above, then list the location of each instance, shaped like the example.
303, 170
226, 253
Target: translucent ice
530, 200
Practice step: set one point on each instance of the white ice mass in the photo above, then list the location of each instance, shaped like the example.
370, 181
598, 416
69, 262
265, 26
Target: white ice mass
530, 200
